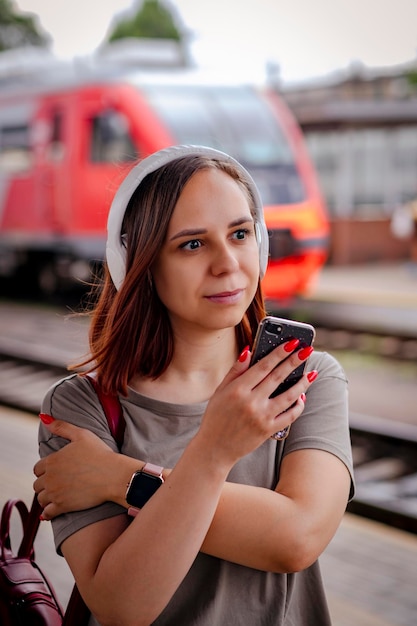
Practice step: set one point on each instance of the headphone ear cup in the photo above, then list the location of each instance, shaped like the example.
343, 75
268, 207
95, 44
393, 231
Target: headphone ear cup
262, 238
116, 263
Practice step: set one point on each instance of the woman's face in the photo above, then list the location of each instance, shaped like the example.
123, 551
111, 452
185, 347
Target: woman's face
207, 271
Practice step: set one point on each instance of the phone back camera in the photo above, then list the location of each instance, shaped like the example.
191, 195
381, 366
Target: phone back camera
273, 329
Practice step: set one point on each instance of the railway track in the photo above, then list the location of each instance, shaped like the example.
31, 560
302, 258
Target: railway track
385, 454
385, 462
24, 381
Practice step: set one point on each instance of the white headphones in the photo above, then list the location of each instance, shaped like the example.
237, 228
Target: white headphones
116, 251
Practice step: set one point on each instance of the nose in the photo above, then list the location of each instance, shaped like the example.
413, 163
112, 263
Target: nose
224, 260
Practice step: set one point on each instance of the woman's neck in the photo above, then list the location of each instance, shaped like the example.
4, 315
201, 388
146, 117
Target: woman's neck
197, 368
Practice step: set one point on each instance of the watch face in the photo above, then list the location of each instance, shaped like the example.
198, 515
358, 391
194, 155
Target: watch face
142, 488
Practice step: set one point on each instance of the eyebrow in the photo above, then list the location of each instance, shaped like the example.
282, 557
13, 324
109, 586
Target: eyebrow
202, 231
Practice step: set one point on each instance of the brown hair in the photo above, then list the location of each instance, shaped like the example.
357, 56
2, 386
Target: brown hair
130, 330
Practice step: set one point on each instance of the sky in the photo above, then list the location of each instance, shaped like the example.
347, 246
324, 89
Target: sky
308, 39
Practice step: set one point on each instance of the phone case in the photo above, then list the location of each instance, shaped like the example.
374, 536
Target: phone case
272, 332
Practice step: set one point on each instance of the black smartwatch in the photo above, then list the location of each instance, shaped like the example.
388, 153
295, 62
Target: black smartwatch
142, 486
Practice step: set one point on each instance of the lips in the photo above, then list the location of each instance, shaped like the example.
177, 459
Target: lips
226, 297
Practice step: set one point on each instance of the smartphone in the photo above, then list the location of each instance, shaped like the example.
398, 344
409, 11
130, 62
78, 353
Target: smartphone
273, 331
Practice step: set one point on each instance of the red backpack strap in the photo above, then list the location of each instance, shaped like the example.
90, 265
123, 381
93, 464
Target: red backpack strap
112, 410
77, 613
6, 551
31, 526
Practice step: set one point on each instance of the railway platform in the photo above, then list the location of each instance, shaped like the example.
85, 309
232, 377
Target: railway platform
376, 284
377, 298
369, 570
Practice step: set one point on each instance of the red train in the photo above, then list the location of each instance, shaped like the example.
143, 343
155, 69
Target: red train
66, 142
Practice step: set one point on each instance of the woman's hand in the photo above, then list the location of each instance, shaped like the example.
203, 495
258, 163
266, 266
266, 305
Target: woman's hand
83, 474
240, 416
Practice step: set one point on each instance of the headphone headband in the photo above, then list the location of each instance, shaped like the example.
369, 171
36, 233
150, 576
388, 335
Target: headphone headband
115, 250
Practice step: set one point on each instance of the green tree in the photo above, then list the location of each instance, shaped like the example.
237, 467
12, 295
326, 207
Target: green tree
152, 20
412, 79
19, 29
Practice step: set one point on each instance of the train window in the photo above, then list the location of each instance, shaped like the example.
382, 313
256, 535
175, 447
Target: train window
110, 139
15, 152
187, 116
56, 147
238, 121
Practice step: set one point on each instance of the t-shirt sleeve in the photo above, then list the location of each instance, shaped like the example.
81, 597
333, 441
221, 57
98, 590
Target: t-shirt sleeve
324, 423
74, 400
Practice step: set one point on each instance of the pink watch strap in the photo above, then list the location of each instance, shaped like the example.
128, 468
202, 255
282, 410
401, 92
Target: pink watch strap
132, 511
155, 470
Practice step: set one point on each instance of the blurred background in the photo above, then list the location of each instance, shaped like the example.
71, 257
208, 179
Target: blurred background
345, 75
319, 102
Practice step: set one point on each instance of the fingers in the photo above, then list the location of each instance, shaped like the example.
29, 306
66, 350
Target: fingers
266, 375
296, 402
38, 470
44, 516
284, 432
270, 374
49, 512
49, 509
60, 428
265, 366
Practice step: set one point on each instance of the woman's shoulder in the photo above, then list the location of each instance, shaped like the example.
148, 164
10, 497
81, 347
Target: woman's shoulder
74, 399
71, 387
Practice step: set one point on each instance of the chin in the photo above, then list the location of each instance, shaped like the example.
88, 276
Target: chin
228, 319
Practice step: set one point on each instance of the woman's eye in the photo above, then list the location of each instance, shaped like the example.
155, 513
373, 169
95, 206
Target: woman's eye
241, 233
191, 245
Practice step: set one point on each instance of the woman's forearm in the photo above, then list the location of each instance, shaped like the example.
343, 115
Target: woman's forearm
240, 502
236, 532
198, 511
149, 560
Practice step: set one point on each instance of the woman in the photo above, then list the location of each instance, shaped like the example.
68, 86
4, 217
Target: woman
230, 533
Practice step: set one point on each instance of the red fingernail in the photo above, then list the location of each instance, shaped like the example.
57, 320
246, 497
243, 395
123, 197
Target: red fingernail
312, 376
305, 353
291, 345
303, 397
243, 355
46, 419
41, 517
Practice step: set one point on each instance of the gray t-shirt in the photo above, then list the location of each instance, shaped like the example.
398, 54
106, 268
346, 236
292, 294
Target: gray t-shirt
214, 591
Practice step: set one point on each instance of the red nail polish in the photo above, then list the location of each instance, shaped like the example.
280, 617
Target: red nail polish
305, 353
46, 419
41, 517
243, 355
312, 376
303, 397
291, 345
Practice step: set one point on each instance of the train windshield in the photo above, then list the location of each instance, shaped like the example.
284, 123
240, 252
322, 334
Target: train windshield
238, 121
